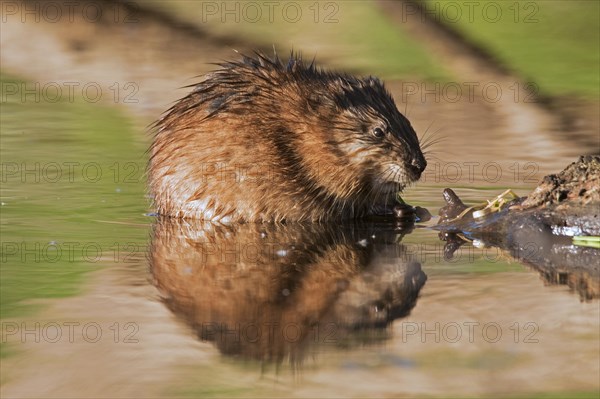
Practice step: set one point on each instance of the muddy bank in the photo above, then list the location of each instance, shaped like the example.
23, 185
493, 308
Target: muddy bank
539, 229
567, 203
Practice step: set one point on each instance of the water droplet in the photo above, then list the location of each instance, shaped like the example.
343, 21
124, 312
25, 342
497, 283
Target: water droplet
282, 252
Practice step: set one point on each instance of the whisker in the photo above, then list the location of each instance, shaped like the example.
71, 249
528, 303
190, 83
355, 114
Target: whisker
424, 135
433, 140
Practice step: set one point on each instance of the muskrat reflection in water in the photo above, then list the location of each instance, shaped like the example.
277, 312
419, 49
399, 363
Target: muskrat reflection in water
263, 140
267, 291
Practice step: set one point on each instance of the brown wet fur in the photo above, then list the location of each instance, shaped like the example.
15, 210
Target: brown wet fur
263, 140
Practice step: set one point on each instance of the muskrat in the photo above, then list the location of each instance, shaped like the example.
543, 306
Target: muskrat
263, 140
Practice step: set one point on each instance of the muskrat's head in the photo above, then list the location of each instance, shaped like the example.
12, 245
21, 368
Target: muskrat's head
373, 133
358, 122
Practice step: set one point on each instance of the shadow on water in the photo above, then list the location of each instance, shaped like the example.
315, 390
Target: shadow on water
271, 292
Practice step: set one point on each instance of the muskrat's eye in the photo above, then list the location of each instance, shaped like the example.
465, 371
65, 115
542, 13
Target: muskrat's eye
378, 132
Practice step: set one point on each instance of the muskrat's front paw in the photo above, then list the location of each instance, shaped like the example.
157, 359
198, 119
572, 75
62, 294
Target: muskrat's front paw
409, 212
404, 211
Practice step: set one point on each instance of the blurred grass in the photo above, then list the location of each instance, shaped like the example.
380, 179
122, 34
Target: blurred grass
552, 43
42, 211
353, 35
555, 44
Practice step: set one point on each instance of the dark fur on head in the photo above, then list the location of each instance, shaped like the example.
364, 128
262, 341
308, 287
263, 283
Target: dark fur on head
332, 145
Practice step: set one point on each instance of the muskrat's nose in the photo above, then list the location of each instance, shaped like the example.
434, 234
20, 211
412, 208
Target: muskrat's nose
418, 164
